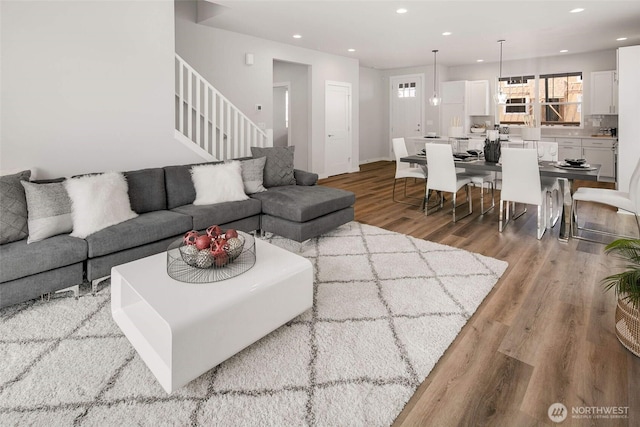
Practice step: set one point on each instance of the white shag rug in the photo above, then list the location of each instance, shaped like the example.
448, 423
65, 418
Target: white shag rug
386, 307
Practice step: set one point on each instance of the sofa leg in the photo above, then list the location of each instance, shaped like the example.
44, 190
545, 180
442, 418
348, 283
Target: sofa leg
75, 289
94, 284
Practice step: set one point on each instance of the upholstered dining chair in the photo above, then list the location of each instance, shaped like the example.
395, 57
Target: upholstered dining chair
547, 152
627, 201
442, 176
405, 170
521, 183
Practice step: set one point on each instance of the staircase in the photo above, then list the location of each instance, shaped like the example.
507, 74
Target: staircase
209, 123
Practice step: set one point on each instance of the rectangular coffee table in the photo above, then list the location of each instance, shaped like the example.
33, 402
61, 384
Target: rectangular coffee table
181, 330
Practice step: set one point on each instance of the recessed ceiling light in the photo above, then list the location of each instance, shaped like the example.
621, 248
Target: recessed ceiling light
351, 50
447, 33
479, 60
620, 39
577, 10
564, 51
297, 36
401, 10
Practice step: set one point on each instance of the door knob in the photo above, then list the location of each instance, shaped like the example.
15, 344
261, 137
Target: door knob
330, 135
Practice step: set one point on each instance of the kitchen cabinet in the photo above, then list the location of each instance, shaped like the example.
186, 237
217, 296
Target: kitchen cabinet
453, 92
478, 99
600, 151
569, 148
594, 150
461, 100
604, 92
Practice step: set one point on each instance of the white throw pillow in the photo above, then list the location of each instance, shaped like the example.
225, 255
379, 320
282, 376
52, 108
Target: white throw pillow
97, 202
218, 183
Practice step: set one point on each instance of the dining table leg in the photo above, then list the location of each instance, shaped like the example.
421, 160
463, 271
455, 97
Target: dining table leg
565, 220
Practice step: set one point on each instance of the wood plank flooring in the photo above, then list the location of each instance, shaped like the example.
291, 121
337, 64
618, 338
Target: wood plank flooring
544, 334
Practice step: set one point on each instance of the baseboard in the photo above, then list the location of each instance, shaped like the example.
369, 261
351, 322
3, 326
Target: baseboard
379, 159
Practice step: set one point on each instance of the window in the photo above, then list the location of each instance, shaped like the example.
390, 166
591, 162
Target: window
407, 90
520, 92
561, 99
554, 99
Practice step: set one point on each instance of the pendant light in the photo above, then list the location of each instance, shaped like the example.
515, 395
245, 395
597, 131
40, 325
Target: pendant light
435, 99
500, 97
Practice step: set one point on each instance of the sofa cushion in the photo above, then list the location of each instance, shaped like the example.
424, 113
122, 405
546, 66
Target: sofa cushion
13, 207
179, 185
302, 203
220, 213
146, 190
97, 202
18, 259
49, 209
278, 169
218, 183
253, 175
146, 228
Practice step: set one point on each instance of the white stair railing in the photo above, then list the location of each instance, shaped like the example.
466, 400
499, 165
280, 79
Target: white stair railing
210, 120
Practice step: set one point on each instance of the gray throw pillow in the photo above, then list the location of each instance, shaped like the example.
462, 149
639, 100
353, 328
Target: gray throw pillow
13, 207
278, 169
49, 209
252, 175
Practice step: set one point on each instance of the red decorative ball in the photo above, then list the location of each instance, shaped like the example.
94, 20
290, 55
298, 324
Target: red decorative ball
221, 260
190, 237
203, 242
214, 231
230, 234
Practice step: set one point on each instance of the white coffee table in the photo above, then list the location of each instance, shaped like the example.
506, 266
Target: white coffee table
181, 330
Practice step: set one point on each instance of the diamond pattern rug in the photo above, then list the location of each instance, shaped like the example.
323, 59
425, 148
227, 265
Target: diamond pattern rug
386, 307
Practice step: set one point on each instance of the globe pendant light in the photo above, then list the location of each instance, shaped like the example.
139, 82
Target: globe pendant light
435, 99
500, 97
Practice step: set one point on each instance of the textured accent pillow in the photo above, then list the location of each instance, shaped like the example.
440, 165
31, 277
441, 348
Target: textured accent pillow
97, 202
252, 175
13, 207
49, 209
278, 170
218, 183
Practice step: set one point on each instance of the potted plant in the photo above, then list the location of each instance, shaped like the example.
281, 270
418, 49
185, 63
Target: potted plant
627, 286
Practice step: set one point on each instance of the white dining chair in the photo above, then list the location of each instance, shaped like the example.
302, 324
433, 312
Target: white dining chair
405, 170
627, 201
547, 152
442, 176
521, 183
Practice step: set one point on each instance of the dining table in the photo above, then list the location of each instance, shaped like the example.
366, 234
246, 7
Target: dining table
552, 169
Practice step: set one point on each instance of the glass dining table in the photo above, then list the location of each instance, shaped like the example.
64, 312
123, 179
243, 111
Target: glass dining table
547, 169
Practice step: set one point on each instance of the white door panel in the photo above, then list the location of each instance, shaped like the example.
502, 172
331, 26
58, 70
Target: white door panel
406, 107
338, 128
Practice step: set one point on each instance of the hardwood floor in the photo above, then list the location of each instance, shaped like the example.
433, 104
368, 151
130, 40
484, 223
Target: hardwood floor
544, 334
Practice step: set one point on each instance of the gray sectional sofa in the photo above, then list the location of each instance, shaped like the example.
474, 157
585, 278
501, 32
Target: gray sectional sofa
163, 199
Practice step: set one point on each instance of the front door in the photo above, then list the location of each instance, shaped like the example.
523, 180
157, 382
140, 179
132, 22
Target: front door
406, 108
337, 147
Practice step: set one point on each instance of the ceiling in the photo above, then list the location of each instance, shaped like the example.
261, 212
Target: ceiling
384, 39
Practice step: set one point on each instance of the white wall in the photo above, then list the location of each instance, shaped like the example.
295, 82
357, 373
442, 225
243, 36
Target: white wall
219, 56
373, 128
629, 118
298, 77
88, 86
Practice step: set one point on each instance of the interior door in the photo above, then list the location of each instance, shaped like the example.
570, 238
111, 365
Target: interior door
406, 108
280, 115
338, 128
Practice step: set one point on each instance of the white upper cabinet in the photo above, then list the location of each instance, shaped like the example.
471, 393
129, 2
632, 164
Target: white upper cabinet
604, 92
453, 92
478, 98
